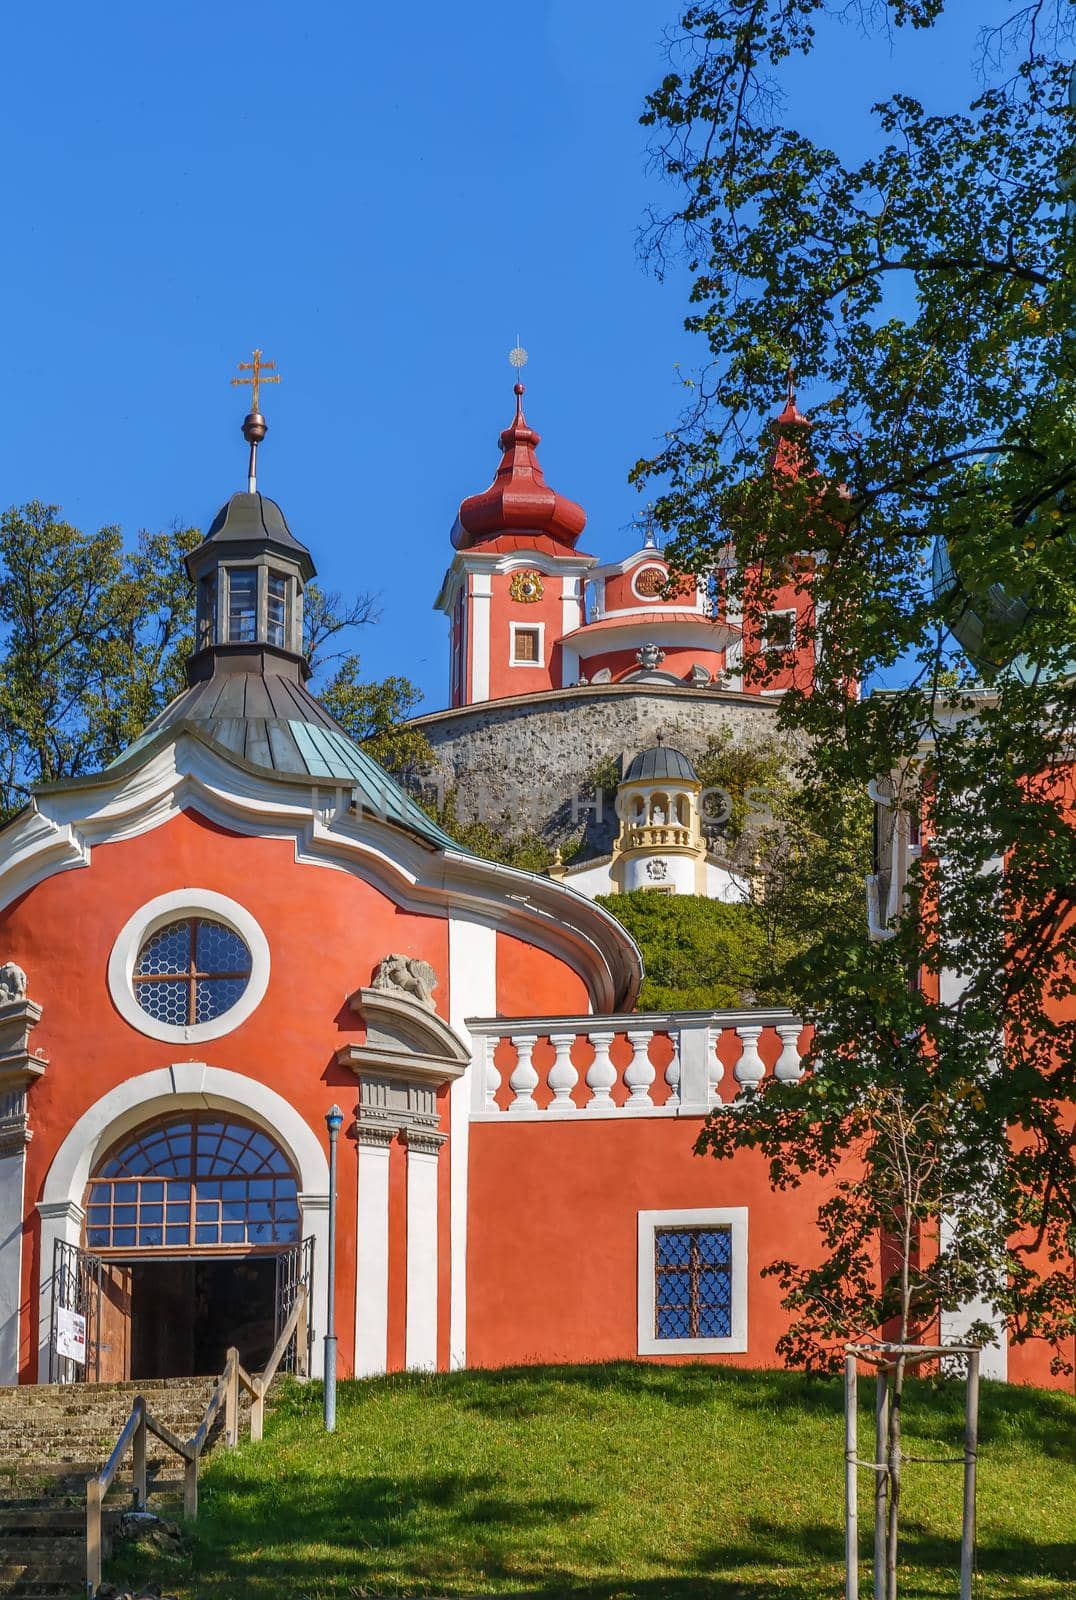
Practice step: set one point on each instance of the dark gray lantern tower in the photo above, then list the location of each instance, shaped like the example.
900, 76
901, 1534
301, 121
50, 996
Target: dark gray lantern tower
250, 573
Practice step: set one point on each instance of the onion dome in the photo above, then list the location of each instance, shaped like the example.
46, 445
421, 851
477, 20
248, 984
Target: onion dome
791, 428
518, 500
660, 763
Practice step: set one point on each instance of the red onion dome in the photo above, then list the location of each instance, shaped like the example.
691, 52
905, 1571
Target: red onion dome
518, 499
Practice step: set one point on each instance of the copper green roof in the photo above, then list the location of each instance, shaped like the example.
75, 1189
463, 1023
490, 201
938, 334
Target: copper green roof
272, 723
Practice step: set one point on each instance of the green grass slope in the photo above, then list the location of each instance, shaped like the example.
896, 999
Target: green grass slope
621, 1480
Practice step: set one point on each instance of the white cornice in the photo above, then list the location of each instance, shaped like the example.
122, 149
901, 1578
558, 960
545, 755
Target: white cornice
59, 831
478, 560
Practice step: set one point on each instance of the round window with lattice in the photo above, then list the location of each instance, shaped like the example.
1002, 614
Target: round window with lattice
190, 971
189, 965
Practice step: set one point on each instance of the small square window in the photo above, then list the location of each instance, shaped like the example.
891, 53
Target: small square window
525, 646
779, 630
692, 1295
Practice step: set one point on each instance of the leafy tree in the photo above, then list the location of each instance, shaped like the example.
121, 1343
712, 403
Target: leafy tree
94, 641
924, 296
375, 714
698, 954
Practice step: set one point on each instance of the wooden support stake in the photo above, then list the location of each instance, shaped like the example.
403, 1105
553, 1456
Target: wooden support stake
190, 1489
971, 1452
93, 1536
881, 1477
140, 1456
851, 1503
257, 1410
231, 1399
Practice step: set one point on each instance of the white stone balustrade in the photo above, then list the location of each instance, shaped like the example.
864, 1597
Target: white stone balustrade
659, 1064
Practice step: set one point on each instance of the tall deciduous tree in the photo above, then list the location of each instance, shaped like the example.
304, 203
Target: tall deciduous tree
924, 296
94, 640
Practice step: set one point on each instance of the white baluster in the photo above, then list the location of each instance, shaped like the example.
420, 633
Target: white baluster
493, 1074
601, 1074
524, 1079
672, 1072
750, 1069
788, 1067
639, 1073
715, 1067
562, 1074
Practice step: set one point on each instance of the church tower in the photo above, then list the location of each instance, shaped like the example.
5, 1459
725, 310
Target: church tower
515, 586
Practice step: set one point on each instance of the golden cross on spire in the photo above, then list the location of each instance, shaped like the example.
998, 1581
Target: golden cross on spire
256, 368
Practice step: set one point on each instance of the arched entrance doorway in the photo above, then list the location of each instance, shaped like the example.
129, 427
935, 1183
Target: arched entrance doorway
193, 1216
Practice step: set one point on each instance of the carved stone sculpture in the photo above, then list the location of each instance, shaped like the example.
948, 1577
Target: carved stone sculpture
13, 983
406, 975
650, 656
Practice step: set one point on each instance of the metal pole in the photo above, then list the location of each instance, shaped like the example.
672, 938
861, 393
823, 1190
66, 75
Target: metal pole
333, 1119
881, 1478
971, 1451
851, 1508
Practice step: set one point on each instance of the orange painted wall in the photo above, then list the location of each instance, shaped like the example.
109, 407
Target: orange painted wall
621, 596
531, 983
505, 679
326, 931
552, 1250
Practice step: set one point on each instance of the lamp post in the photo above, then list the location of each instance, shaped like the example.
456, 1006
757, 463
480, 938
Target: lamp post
333, 1120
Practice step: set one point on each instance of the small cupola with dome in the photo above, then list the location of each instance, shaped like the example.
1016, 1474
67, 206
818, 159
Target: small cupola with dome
250, 573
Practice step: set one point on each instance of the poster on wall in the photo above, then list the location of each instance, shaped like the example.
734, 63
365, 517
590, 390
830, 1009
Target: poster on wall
71, 1335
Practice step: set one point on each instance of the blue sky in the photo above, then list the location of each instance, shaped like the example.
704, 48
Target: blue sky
379, 197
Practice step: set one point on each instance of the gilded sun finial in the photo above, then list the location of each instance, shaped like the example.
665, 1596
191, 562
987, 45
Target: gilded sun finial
517, 356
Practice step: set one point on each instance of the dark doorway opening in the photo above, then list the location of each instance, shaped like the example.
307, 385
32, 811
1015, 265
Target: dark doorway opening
185, 1314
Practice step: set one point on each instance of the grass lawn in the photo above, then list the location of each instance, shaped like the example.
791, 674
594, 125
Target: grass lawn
618, 1480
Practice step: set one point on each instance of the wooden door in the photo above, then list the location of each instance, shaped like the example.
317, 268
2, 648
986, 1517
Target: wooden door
115, 1348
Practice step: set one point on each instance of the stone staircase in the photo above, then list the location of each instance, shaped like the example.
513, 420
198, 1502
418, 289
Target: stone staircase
52, 1438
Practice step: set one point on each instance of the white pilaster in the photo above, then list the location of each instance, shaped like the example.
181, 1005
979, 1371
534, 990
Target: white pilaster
571, 602
60, 1219
372, 1257
12, 1188
479, 633
420, 1346
472, 960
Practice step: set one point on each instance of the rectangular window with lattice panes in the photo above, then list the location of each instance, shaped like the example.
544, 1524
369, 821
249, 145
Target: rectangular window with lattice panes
692, 1281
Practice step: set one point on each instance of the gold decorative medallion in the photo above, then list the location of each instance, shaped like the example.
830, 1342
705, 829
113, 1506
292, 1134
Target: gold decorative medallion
526, 587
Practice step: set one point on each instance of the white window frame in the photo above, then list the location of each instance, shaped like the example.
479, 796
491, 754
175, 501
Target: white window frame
526, 627
157, 914
734, 1218
790, 613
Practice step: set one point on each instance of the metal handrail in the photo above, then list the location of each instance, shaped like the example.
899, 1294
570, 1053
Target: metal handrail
141, 1422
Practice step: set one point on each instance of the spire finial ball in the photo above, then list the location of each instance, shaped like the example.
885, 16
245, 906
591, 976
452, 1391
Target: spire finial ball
255, 427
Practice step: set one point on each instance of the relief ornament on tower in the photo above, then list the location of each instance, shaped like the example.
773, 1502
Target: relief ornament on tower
526, 587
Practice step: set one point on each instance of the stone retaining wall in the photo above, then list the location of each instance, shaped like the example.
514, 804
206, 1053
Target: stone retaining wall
527, 764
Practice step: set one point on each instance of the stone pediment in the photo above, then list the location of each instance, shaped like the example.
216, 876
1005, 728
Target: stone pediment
404, 1037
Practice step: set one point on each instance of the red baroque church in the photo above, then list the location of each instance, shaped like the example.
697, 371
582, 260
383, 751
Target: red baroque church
244, 919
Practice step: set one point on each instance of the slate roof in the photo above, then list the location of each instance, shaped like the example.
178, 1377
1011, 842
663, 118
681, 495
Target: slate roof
275, 724
661, 762
251, 519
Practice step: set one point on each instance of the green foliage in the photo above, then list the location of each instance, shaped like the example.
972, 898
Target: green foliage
93, 643
925, 297
527, 851
698, 954
753, 777
614, 1482
374, 714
